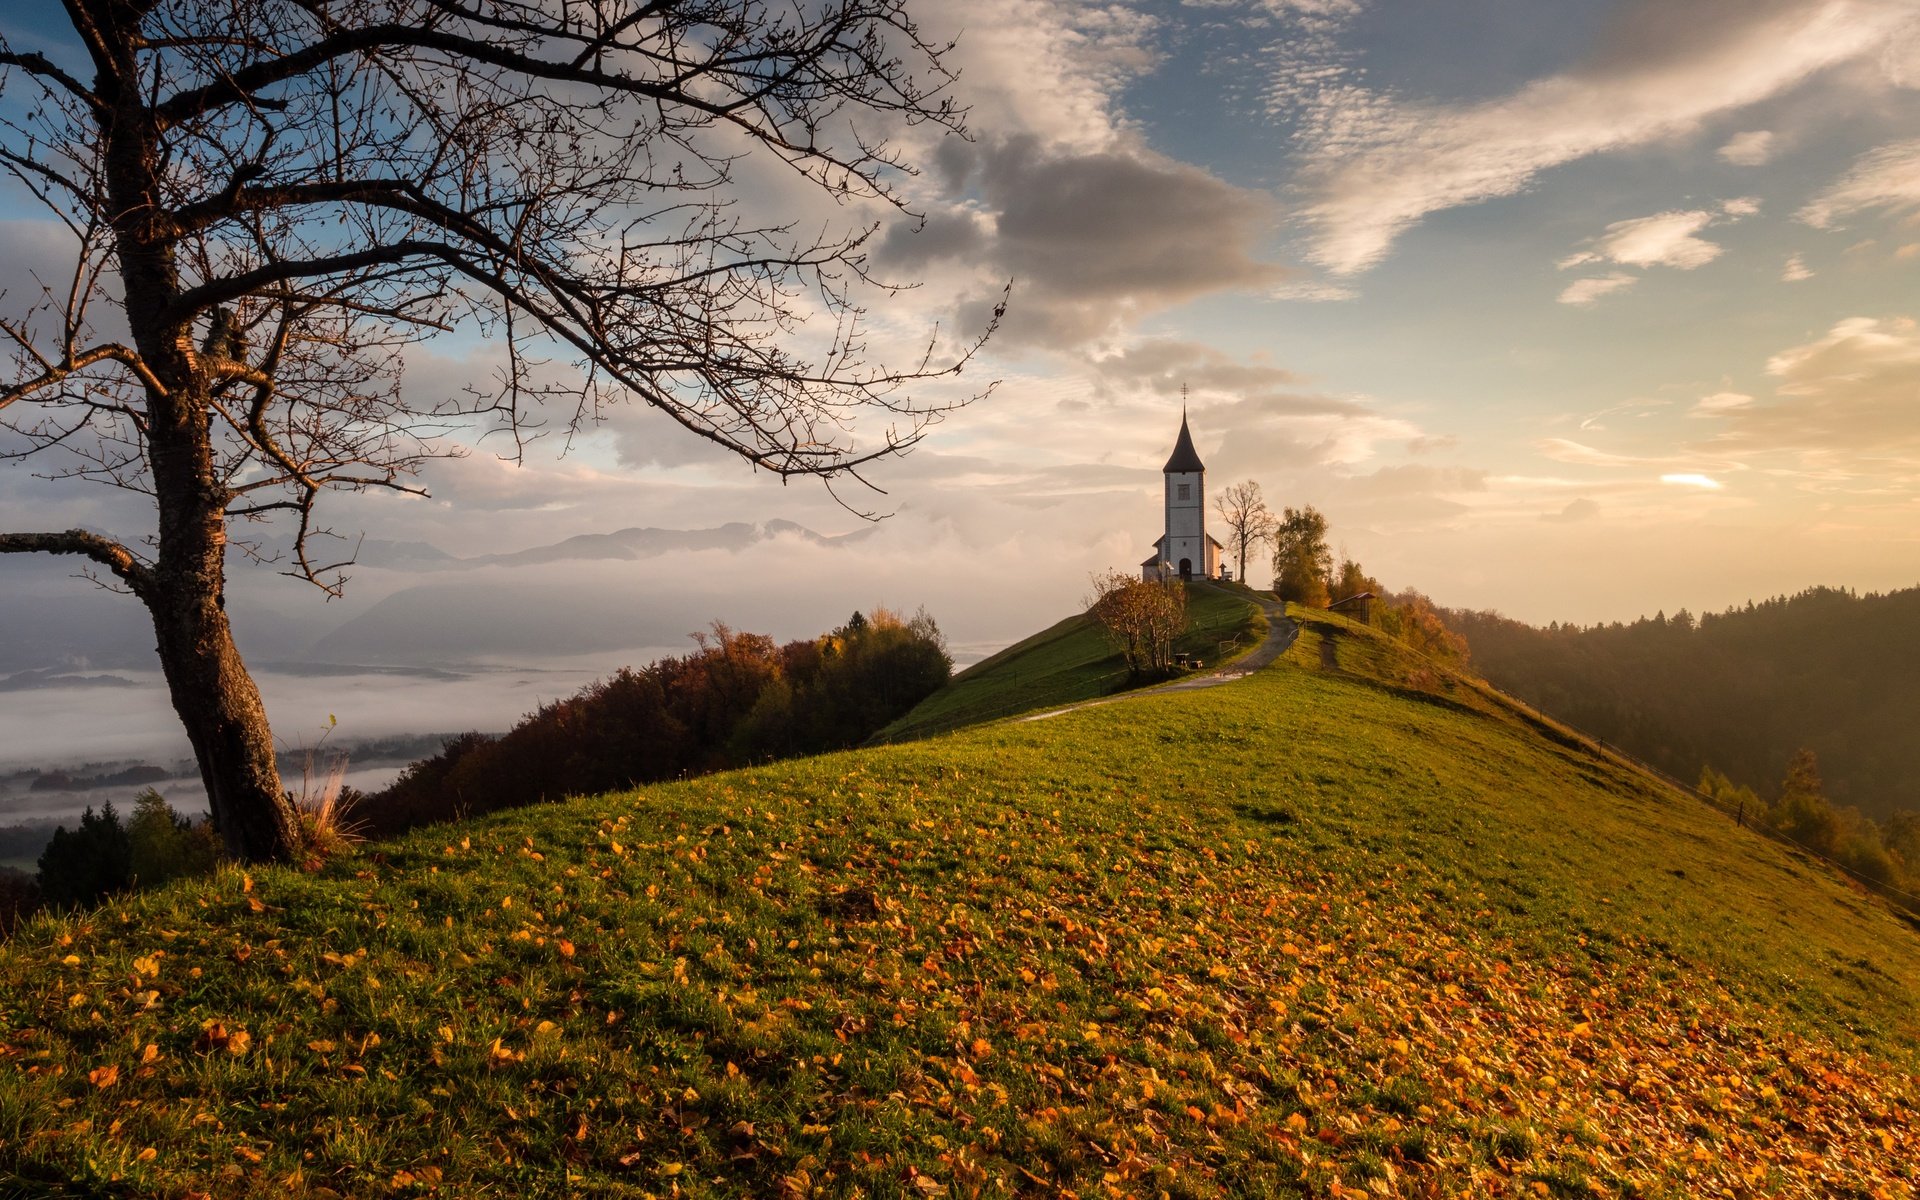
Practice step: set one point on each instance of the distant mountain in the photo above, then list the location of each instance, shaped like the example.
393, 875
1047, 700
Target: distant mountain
632, 544
446, 620
58, 627
1741, 690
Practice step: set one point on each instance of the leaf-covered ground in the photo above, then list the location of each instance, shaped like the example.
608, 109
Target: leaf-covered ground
1302, 934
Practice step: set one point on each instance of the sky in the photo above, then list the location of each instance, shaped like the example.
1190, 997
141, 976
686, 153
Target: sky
1572, 309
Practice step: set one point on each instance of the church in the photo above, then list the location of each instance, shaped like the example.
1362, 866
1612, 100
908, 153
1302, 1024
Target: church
1186, 550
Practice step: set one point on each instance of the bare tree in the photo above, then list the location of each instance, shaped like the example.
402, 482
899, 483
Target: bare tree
270, 199
1248, 519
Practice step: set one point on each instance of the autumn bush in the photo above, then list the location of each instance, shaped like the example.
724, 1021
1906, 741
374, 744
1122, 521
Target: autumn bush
1143, 618
737, 698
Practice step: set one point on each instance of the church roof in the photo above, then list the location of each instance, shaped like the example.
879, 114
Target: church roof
1184, 458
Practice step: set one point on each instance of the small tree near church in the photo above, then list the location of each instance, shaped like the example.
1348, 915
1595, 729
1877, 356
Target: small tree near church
1249, 521
1142, 617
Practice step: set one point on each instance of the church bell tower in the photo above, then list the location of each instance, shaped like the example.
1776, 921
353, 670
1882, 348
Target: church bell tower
1184, 551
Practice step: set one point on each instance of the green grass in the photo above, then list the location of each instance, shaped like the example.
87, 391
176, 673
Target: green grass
1073, 660
1313, 926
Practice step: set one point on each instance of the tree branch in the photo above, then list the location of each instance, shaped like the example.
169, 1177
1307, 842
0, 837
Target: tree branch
39, 65
105, 551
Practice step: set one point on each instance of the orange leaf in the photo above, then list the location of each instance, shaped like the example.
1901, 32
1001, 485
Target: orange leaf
104, 1077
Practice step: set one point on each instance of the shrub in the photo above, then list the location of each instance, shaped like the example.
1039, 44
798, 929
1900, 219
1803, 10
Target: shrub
164, 845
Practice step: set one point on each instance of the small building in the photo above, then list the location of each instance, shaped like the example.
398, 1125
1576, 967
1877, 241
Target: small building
1185, 550
1358, 606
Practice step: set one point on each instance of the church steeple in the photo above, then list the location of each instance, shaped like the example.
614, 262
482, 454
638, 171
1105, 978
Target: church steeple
1184, 456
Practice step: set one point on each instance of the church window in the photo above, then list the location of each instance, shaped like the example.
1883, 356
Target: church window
1186, 491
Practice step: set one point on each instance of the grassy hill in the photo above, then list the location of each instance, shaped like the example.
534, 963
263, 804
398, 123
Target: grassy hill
1348, 924
1073, 660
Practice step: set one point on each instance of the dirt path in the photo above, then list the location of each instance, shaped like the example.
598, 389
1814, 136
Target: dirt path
1280, 635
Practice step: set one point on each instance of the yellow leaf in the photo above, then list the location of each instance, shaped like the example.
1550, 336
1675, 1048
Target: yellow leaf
506, 902
149, 1054
238, 1041
322, 1047
71, 960
147, 1155
672, 1168
446, 1034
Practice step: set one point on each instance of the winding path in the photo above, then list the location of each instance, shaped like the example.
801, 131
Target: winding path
1280, 634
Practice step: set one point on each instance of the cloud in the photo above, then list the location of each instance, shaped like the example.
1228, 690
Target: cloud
1754, 148
1092, 240
1586, 291
1159, 366
1721, 402
1582, 509
1885, 179
1843, 409
1668, 239
1795, 270
1313, 290
1693, 480
1378, 164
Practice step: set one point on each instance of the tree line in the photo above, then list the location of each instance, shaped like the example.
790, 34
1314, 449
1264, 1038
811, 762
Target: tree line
737, 699
1744, 689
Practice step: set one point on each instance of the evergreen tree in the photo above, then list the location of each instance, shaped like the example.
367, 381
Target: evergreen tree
84, 866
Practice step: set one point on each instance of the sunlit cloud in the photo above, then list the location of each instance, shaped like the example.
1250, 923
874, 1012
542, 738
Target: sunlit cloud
1586, 291
1689, 479
1721, 402
1885, 180
1796, 270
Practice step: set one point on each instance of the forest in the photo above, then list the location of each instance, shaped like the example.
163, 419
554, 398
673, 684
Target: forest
1742, 691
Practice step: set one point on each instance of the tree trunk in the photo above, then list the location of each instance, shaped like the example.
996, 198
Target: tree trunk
185, 590
212, 691
225, 720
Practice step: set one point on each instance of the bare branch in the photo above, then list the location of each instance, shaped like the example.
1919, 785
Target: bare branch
105, 551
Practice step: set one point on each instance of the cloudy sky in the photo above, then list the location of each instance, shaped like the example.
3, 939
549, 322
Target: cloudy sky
1576, 309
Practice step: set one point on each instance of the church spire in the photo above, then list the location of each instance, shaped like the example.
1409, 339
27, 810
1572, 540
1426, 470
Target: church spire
1185, 458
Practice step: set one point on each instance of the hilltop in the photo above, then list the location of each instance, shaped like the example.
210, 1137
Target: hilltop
1074, 660
1352, 923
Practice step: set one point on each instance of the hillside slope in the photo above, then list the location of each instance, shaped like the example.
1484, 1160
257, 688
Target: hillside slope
1073, 660
1346, 922
1741, 690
